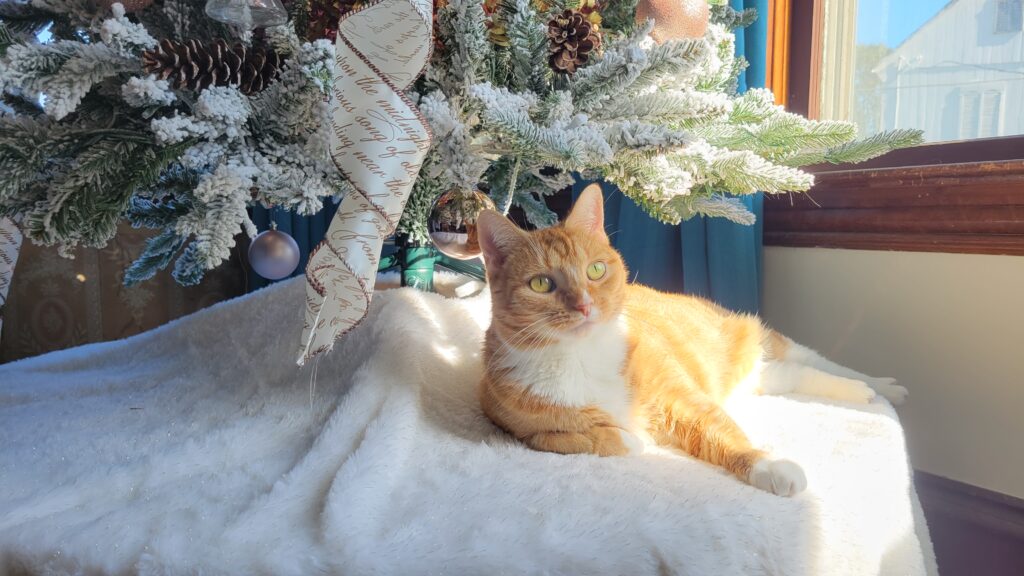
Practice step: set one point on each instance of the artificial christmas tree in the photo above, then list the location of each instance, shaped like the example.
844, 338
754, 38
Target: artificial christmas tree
179, 151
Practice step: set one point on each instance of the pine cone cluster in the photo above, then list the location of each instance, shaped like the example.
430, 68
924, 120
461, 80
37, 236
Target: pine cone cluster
197, 66
571, 40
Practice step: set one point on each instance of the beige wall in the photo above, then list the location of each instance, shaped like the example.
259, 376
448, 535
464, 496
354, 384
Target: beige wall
950, 327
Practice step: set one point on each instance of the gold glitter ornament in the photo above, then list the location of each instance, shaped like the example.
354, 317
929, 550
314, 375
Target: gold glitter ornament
452, 222
674, 19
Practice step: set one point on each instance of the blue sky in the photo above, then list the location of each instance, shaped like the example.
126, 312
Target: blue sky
891, 21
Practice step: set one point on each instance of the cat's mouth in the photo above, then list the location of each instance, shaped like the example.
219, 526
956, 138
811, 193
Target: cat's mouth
582, 327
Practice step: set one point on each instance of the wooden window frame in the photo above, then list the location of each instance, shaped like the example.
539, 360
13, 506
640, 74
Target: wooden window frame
956, 197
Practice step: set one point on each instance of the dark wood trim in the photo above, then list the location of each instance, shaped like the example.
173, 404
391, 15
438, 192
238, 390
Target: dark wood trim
975, 207
804, 53
918, 174
974, 530
948, 243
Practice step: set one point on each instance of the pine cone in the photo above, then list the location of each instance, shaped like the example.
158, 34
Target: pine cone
571, 40
197, 66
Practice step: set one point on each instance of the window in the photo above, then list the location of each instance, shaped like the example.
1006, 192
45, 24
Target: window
936, 65
988, 121
900, 63
970, 104
979, 114
1009, 16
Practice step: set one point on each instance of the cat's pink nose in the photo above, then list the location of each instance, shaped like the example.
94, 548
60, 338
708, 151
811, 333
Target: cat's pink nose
584, 308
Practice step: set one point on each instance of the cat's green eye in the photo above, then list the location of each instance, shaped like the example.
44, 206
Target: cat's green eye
597, 270
541, 284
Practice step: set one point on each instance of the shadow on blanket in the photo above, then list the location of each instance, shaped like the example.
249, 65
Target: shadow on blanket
198, 447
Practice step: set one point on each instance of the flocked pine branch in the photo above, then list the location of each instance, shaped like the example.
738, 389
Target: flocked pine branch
778, 135
533, 206
528, 46
632, 136
679, 59
619, 15
64, 71
412, 227
26, 143
673, 108
218, 215
729, 17
157, 254
662, 122
612, 74
565, 146
6, 38
715, 206
463, 22
753, 106
858, 150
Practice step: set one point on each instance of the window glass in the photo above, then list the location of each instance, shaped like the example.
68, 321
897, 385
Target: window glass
953, 68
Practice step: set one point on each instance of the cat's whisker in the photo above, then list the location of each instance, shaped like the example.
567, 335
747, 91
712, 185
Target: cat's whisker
519, 337
535, 331
536, 352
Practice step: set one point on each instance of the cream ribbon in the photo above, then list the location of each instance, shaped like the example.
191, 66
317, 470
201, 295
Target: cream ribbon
378, 143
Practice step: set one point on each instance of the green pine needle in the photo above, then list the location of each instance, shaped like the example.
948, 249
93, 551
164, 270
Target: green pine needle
159, 252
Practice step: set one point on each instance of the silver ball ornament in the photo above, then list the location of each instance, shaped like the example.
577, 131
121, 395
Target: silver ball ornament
452, 222
273, 254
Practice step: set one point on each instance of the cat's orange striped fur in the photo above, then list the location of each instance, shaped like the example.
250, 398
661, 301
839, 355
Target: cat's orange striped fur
577, 358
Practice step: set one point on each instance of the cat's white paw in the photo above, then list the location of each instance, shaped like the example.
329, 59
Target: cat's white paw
889, 389
862, 395
778, 476
848, 390
633, 443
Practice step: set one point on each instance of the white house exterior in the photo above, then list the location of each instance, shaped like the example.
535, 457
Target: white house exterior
960, 75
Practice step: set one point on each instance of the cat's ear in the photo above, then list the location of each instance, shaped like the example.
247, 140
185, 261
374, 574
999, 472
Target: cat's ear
588, 212
498, 236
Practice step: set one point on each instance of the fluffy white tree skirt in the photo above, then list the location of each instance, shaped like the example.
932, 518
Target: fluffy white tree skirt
195, 448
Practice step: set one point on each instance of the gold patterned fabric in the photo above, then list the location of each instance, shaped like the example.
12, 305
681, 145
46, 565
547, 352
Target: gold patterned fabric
56, 303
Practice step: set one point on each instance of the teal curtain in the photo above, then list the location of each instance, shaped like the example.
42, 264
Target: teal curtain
308, 231
710, 257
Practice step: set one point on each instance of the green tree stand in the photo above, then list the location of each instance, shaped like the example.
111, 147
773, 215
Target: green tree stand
416, 264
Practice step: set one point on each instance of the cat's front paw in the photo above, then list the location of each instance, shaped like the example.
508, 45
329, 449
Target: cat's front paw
778, 476
889, 389
614, 441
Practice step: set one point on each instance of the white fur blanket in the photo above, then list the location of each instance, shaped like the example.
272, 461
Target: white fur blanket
195, 449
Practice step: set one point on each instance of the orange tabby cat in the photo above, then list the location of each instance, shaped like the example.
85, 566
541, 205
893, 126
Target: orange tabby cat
576, 358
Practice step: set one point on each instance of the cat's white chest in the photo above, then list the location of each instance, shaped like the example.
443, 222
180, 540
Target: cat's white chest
580, 372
